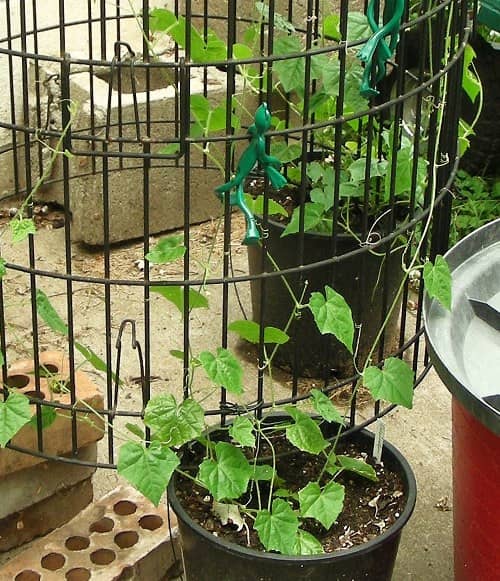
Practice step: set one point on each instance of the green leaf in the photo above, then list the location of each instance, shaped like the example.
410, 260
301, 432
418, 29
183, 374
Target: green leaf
93, 358
135, 429
51, 317
250, 331
277, 529
471, 84
256, 206
171, 423
241, 430
148, 469
323, 505
358, 466
263, 472
170, 148
358, 27
304, 434
393, 383
223, 369
286, 152
177, 353
290, 72
313, 215
49, 314
15, 412
331, 25
48, 414
325, 408
437, 281
242, 51
280, 22
226, 477
21, 228
167, 250
331, 77
3, 270
161, 20
306, 544
175, 294
333, 315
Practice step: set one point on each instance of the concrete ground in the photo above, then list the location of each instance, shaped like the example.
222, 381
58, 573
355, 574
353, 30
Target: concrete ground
423, 435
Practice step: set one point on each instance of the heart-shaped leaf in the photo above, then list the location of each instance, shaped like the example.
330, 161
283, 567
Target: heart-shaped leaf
333, 315
323, 505
393, 383
304, 433
147, 469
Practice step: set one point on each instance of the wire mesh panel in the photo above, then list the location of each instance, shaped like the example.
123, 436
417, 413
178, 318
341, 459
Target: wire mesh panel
180, 184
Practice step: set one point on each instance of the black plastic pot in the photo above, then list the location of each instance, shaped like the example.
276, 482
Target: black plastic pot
368, 282
210, 558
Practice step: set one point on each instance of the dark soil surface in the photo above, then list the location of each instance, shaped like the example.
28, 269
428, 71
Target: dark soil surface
370, 508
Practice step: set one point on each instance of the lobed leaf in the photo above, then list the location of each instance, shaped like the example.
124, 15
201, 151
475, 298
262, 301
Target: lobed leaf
228, 475
148, 469
323, 505
223, 369
277, 529
307, 544
171, 423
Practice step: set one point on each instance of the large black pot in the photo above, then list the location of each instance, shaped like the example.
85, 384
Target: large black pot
368, 282
210, 558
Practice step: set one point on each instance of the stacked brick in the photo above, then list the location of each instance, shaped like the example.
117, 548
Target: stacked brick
37, 494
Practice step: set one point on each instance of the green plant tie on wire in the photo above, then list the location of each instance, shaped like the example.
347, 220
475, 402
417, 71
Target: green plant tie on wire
255, 153
376, 52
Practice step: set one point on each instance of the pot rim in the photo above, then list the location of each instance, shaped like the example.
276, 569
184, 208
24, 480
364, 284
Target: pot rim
349, 553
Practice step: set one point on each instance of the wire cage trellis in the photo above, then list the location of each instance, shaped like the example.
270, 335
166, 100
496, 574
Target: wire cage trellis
122, 118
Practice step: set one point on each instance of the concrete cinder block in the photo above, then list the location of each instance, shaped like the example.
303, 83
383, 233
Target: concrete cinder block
20, 490
121, 187
57, 438
121, 536
24, 525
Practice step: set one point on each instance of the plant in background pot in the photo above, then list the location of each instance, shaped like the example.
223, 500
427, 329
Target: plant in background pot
373, 197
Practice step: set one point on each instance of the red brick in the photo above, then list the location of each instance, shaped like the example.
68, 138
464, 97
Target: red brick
45, 516
121, 536
57, 439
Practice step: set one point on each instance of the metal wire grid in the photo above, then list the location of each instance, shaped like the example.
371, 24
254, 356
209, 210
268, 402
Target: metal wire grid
117, 144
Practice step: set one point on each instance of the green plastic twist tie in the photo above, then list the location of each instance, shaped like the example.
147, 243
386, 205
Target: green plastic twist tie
253, 154
376, 51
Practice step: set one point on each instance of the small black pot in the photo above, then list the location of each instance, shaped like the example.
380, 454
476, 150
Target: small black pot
210, 558
362, 280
